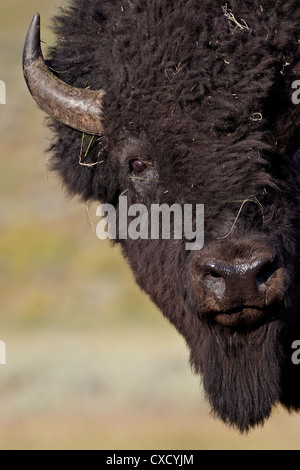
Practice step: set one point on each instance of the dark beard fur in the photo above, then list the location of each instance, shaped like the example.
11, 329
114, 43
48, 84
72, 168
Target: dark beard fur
241, 372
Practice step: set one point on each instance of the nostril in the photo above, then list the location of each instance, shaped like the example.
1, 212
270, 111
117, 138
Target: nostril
212, 279
266, 271
210, 271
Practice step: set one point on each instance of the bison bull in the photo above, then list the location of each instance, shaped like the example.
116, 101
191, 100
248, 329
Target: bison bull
191, 102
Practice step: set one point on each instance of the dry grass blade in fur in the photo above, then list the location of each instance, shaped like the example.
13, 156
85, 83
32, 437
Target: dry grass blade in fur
234, 23
248, 199
86, 152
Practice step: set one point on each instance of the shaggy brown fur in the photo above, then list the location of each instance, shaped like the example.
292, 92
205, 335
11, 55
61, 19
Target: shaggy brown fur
203, 93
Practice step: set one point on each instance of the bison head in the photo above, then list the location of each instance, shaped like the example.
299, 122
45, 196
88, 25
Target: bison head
191, 103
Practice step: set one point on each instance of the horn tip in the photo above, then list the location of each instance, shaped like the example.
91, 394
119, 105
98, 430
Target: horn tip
36, 19
34, 24
32, 46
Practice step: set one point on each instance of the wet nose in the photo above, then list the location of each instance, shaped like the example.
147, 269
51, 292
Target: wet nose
245, 279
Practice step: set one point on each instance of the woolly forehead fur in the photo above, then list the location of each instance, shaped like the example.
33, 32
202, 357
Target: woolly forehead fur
209, 91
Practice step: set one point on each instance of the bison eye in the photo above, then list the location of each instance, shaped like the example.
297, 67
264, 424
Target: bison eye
137, 166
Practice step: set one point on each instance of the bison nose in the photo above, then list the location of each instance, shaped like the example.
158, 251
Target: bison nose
239, 282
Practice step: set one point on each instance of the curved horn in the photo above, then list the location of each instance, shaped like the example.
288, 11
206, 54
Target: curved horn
78, 108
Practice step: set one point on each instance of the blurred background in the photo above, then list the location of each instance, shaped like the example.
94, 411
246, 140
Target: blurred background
91, 363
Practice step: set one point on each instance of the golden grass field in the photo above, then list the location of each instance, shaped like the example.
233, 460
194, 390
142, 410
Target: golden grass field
91, 363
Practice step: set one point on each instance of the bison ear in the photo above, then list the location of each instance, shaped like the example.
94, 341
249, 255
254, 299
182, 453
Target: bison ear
82, 163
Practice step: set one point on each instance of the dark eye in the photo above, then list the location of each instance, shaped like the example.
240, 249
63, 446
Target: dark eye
138, 166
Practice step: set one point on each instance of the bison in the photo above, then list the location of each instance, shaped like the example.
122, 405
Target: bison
191, 102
